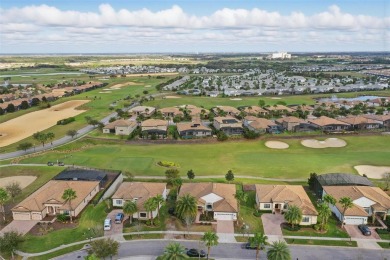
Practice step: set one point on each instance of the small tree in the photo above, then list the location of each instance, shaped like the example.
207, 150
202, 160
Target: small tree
129, 208
261, 103
40, 137
4, 197
210, 239
311, 180
171, 174
186, 205
258, 240
68, 196
386, 178
9, 242
278, 251
13, 189
241, 197
25, 146
72, 133
346, 203
324, 213
159, 199
103, 248
191, 174
293, 215
229, 176
329, 199
150, 206
50, 136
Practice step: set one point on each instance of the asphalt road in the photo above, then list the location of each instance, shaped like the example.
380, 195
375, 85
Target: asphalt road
131, 249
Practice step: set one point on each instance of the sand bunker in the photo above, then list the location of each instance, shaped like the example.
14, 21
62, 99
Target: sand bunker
236, 99
23, 181
373, 172
330, 142
24, 126
276, 98
148, 86
276, 145
130, 83
104, 92
172, 97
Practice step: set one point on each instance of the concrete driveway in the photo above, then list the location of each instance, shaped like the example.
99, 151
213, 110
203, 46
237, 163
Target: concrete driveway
271, 224
354, 232
20, 226
225, 231
115, 228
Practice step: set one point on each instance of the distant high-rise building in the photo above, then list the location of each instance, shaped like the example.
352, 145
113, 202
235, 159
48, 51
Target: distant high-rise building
280, 55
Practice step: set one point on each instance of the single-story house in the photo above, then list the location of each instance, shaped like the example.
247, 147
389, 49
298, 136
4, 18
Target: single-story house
360, 123
195, 111
155, 127
229, 125
120, 127
171, 112
139, 192
294, 124
277, 198
228, 110
280, 108
255, 111
213, 197
142, 110
367, 201
329, 124
193, 129
384, 120
47, 200
260, 125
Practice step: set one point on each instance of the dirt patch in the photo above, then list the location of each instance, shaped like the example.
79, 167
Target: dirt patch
373, 172
276, 145
21, 127
327, 143
172, 97
24, 181
130, 83
236, 99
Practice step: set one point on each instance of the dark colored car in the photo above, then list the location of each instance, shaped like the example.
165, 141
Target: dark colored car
119, 217
365, 230
171, 211
50, 164
196, 253
61, 164
248, 246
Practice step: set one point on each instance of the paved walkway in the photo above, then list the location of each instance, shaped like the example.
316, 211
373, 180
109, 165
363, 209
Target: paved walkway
20, 226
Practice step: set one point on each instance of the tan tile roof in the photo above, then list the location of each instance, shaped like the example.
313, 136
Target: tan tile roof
141, 109
120, 122
191, 126
357, 120
294, 194
355, 192
378, 117
226, 191
140, 191
228, 109
154, 123
279, 107
52, 192
220, 119
173, 110
290, 119
259, 123
303, 108
324, 121
254, 110
195, 111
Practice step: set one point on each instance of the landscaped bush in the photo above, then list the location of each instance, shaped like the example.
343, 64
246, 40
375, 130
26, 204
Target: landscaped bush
317, 227
156, 222
62, 218
207, 216
167, 164
66, 121
290, 228
382, 231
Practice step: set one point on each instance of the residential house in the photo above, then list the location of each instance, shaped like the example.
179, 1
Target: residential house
154, 127
195, 111
226, 110
294, 124
383, 120
229, 125
260, 125
255, 111
120, 127
170, 112
360, 123
328, 124
142, 110
277, 198
48, 201
281, 108
139, 192
218, 198
193, 129
367, 201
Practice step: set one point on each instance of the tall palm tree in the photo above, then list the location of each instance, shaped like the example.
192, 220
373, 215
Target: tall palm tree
241, 197
174, 251
278, 251
129, 209
293, 215
159, 199
210, 239
3, 199
186, 205
346, 203
150, 206
68, 196
324, 213
329, 199
258, 240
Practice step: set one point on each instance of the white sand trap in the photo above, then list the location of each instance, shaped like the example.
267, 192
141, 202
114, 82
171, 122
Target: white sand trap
172, 97
23, 181
276, 145
26, 125
148, 86
236, 99
373, 172
130, 83
276, 98
104, 92
330, 142
107, 89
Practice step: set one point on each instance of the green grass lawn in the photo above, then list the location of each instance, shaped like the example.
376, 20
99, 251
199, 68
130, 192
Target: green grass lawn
246, 215
321, 242
384, 236
144, 236
58, 252
90, 218
161, 226
243, 157
385, 245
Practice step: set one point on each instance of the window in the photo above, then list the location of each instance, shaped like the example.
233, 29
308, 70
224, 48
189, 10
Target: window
267, 206
142, 215
118, 202
305, 219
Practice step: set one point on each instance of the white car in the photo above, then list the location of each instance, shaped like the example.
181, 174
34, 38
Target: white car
107, 224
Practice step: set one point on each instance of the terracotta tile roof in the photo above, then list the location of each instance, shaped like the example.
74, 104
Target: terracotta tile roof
227, 109
222, 121
171, 110
141, 191
52, 192
226, 191
119, 123
381, 118
191, 126
357, 120
259, 123
154, 123
293, 194
324, 121
290, 119
195, 111
303, 108
280, 107
255, 110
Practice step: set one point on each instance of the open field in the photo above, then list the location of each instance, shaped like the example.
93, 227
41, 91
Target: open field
24, 126
243, 157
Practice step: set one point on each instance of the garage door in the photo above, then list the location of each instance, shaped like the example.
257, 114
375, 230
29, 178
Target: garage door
224, 216
354, 221
21, 216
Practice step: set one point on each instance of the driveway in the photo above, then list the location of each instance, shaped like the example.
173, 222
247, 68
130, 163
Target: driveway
115, 228
225, 231
354, 232
271, 224
20, 226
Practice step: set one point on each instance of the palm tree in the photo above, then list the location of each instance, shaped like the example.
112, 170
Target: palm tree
174, 251
159, 199
278, 251
3, 199
329, 199
150, 205
129, 209
186, 205
324, 213
293, 215
68, 196
241, 197
210, 239
258, 240
346, 203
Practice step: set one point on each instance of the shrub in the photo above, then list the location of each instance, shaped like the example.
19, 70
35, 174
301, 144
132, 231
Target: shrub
66, 121
156, 222
148, 223
290, 228
167, 164
382, 231
317, 227
62, 218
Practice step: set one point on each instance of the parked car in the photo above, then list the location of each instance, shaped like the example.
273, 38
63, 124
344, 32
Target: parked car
107, 224
119, 217
61, 164
365, 230
193, 252
50, 164
249, 246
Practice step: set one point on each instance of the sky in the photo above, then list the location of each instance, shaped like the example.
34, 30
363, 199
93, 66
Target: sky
165, 26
